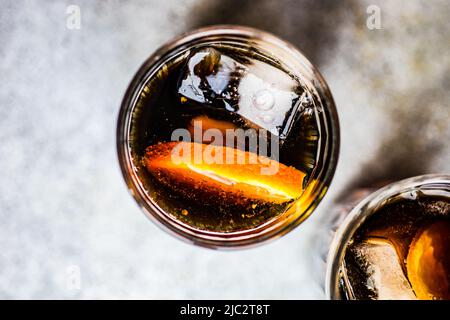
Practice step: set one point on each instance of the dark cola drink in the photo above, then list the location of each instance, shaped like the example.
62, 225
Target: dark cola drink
224, 137
401, 249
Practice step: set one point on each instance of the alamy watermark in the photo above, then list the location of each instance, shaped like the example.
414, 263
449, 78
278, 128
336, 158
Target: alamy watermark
216, 146
73, 278
373, 21
73, 20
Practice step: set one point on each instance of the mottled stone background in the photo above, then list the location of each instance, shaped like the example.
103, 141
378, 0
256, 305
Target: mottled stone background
63, 201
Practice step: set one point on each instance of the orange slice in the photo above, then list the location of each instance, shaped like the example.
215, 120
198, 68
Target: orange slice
218, 173
428, 262
208, 123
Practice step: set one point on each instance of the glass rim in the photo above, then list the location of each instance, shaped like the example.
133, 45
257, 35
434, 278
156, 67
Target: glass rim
268, 230
364, 209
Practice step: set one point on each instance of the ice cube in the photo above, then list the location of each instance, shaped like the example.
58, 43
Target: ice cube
258, 91
379, 261
211, 78
267, 97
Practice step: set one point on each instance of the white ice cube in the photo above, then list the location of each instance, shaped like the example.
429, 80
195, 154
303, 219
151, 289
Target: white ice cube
266, 96
384, 271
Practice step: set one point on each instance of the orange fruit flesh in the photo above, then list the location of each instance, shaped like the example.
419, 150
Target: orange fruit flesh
223, 173
428, 262
208, 123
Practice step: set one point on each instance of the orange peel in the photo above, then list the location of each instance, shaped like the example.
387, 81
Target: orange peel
428, 262
237, 178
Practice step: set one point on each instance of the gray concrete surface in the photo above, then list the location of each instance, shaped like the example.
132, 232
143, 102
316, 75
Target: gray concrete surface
63, 202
